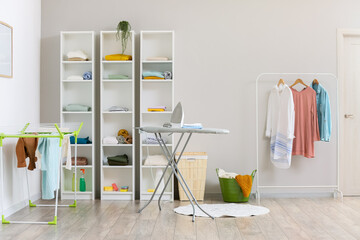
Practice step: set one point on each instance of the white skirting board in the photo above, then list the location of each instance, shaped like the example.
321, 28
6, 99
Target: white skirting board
20, 205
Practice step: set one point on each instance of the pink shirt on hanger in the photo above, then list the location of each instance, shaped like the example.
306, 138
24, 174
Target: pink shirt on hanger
306, 122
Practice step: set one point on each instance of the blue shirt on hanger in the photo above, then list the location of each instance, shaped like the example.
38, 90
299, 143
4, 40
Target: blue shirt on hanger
323, 112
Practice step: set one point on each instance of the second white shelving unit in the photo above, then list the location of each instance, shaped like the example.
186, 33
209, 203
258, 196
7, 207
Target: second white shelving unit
155, 92
78, 92
117, 92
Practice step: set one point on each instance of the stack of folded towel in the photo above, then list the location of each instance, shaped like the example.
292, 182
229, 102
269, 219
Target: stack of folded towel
118, 76
157, 75
77, 55
151, 139
118, 57
118, 109
80, 161
118, 160
80, 140
77, 108
157, 59
110, 140
157, 109
75, 77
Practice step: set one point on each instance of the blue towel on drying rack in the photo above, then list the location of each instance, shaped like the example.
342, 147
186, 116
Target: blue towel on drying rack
87, 75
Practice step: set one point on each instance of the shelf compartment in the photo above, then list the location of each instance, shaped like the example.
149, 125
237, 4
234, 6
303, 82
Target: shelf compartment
113, 151
157, 44
86, 130
112, 123
156, 94
119, 176
148, 177
114, 94
77, 93
67, 180
73, 41
110, 45
75, 69
112, 68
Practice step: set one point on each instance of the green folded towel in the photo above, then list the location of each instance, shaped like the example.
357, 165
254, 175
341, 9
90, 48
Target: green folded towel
77, 108
118, 160
118, 76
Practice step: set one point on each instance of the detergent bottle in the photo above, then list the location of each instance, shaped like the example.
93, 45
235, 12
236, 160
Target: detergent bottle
82, 181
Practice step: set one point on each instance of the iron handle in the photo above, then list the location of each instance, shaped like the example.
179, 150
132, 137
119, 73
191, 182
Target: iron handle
349, 115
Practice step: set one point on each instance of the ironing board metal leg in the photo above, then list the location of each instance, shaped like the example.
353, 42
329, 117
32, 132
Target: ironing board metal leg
156, 188
171, 159
179, 172
176, 175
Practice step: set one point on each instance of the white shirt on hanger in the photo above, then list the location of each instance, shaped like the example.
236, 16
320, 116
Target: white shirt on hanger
280, 125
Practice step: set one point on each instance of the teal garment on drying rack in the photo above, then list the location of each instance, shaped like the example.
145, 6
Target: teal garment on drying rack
50, 157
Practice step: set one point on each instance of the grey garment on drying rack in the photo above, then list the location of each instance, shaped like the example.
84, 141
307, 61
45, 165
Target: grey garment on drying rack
167, 75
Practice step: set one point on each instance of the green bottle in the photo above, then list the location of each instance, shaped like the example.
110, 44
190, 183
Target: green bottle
82, 181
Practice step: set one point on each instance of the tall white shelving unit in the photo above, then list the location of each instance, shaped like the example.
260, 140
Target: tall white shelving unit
78, 92
117, 92
155, 93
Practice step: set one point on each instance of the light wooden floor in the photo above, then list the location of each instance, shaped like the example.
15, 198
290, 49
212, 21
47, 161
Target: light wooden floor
288, 219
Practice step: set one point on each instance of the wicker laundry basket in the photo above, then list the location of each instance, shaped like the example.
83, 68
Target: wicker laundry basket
193, 168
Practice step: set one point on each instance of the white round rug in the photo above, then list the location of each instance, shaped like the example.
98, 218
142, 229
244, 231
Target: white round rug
223, 210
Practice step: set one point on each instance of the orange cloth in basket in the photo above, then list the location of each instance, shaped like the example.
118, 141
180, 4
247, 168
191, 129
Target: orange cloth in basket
245, 183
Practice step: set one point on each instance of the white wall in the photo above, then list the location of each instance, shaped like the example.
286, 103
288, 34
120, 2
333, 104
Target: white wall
20, 96
221, 47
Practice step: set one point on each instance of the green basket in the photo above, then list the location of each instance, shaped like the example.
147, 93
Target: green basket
231, 190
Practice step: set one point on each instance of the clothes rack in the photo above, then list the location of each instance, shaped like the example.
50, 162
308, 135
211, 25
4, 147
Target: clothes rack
39, 134
274, 77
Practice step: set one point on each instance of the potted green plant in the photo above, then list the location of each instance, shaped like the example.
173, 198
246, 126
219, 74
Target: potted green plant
123, 34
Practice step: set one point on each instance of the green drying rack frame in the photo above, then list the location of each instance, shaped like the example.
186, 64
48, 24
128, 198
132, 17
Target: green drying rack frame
23, 134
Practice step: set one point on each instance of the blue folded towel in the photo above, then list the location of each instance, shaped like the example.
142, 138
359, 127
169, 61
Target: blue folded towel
87, 75
80, 140
153, 74
167, 75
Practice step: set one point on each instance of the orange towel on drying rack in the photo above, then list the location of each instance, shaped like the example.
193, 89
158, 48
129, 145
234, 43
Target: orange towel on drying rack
245, 183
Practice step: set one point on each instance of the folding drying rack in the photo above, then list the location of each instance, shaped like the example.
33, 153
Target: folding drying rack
48, 132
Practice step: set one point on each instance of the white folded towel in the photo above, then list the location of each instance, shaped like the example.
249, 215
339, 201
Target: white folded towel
75, 77
110, 140
77, 54
223, 174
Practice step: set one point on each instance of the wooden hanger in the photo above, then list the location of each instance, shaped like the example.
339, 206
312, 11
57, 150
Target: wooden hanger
299, 81
281, 81
315, 82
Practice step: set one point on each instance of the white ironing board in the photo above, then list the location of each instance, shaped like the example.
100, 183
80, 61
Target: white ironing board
173, 163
